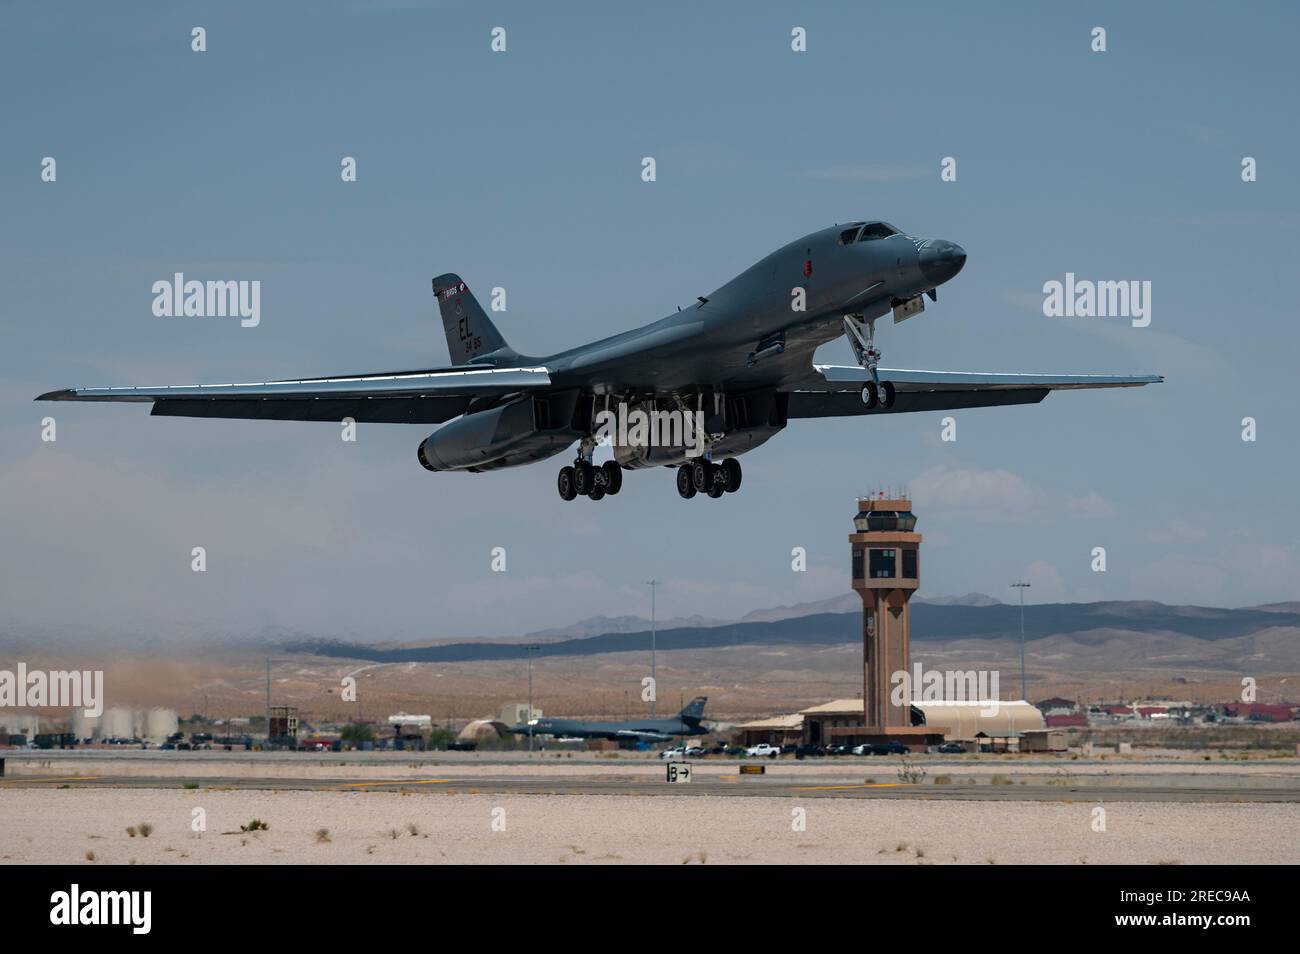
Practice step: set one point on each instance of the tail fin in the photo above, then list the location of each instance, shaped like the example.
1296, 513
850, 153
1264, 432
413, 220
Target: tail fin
694, 710
470, 332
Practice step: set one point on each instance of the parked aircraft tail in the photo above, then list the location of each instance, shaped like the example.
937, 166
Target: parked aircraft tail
470, 332
694, 710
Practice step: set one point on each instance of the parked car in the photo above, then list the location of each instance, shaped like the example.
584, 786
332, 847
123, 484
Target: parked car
807, 749
892, 747
763, 751
863, 749
676, 752
952, 748
836, 750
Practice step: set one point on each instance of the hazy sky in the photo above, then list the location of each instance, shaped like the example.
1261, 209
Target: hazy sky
522, 169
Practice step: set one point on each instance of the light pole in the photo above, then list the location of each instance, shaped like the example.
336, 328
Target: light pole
1022, 586
654, 682
530, 650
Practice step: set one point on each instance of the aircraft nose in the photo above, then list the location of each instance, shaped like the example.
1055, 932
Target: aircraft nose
941, 260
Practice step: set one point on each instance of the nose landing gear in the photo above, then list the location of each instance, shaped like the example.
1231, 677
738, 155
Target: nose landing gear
862, 338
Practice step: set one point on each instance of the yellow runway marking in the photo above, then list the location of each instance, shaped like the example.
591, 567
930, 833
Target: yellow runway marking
418, 781
834, 788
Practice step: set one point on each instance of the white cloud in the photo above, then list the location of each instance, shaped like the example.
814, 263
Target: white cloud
1178, 532
1091, 504
975, 494
1046, 585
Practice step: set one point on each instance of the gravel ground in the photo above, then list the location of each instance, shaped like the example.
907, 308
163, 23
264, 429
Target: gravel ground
63, 826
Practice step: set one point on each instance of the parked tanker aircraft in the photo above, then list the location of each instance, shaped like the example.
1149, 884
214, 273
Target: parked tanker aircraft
738, 362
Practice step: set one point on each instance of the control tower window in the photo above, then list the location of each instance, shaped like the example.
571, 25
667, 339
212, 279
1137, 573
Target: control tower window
876, 230
857, 564
909, 564
882, 565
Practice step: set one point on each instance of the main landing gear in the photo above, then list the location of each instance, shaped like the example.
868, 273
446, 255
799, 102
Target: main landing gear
585, 479
702, 476
862, 338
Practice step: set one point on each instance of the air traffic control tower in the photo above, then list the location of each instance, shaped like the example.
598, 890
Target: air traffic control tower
886, 572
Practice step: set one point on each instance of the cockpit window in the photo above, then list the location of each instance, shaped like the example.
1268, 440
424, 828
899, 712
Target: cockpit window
848, 236
877, 230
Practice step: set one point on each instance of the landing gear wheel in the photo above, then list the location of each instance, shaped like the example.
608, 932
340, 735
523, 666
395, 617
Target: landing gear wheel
597, 491
565, 483
613, 477
584, 477
702, 473
719, 487
886, 395
731, 474
685, 483
870, 396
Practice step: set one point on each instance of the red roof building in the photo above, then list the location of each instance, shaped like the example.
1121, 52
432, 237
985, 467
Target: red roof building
1260, 711
1067, 721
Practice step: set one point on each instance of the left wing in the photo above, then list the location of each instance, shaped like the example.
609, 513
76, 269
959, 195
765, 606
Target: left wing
836, 390
425, 397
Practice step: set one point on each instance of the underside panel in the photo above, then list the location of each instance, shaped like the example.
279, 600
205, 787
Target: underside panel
805, 404
429, 410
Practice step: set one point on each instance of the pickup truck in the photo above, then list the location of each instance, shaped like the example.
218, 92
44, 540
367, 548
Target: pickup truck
763, 751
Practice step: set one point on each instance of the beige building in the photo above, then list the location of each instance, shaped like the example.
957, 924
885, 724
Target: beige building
839, 722
515, 713
778, 730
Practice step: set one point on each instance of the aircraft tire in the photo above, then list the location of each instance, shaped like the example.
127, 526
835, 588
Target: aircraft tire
870, 396
597, 491
584, 478
717, 488
613, 476
731, 474
565, 484
702, 474
685, 482
887, 395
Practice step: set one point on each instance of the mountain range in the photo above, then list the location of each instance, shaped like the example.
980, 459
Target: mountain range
973, 617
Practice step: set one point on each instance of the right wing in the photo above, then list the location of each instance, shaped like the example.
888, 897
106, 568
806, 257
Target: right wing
836, 390
409, 397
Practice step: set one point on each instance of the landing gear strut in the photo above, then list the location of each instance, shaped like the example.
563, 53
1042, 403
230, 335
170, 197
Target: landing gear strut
862, 338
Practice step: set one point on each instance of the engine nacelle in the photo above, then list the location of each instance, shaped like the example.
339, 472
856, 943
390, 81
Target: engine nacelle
502, 436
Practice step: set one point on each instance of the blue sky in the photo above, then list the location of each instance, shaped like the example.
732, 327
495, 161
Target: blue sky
521, 169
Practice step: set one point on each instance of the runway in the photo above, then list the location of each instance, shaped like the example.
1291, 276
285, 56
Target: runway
1133, 788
